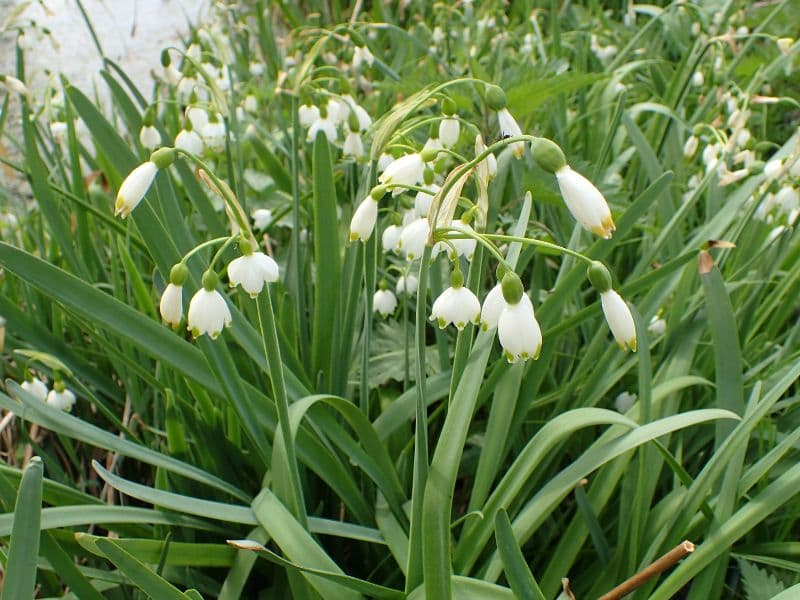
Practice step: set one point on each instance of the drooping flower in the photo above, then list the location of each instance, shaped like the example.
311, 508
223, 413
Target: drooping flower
390, 240
406, 170
384, 302
208, 310
13, 85
624, 401
60, 397
134, 188
690, 147
510, 127
384, 160
362, 116
198, 116
214, 135
456, 305
308, 114
406, 284
422, 201
519, 332
449, 130
326, 125
414, 238
189, 140
585, 202
149, 137
353, 146
493, 305
252, 271
35, 387
171, 305
619, 319
463, 247
361, 55
364, 219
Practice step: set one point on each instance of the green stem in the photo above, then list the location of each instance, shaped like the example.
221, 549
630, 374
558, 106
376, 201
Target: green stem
205, 244
272, 353
415, 539
539, 243
300, 301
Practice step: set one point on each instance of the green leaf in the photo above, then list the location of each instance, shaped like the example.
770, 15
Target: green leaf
20, 570
183, 554
517, 572
525, 98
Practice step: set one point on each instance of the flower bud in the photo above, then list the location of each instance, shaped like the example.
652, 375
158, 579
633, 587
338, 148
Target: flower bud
163, 157
548, 155
599, 276
495, 97
178, 274
512, 287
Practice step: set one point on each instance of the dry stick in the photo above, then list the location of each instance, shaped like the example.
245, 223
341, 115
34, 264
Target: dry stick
659, 566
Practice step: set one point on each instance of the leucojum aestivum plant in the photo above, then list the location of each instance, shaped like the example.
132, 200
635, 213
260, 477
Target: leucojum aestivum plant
354, 313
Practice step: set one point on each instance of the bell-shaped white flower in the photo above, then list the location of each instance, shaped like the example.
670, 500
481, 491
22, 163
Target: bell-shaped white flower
171, 305
361, 55
422, 201
463, 247
170, 74
327, 126
657, 325
149, 137
250, 104
456, 305
493, 305
362, 116
208, 310
384, 302
414, 238
338, 111
690, 147
307, 115
773, 168
619, 318
406, 170
519, 332
788, 198
189, 141
510, 128
624, 401
59, 131
13, 85
384, 160
406, 284
585, 202
363, 222
252, 271
134, 187
449, 130
353, 146
36, 387
261, 218
214, 136
198, 117
390, 240
62, 400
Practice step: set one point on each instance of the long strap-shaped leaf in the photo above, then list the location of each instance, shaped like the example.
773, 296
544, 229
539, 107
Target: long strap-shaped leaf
20, 575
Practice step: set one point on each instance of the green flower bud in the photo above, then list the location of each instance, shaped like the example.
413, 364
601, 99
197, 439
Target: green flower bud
357, 39
449, 106
165, 59
599, 276
495, 97
429, 154
210, 280
548, 155
457, 279
512, 288
163, 157
378, 192
178, 274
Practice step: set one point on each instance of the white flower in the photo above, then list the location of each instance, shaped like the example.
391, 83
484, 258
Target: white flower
214, 136
510, 127
729, 177
690, 147
414, 238
773, 168
464, 247
432, 144
406, 284
36, 387
362, 54
256, 69
186, 86
384, 302
657, 325
390, 240
198, 117
261, 218
422, 201
363, 221
308, 114
619, 318
252, 271
61, 400
250, 103
134, 188
171, 305
170, 74
493, 305
406, 170
624, 402
698, 79
13, 85
585, 202
788, 198
362, 116
353, 145
519, 332
449, 130
189, 141
711, 156
58, 130
456, 305
384, 160
208, 313
338, 111
326, 126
